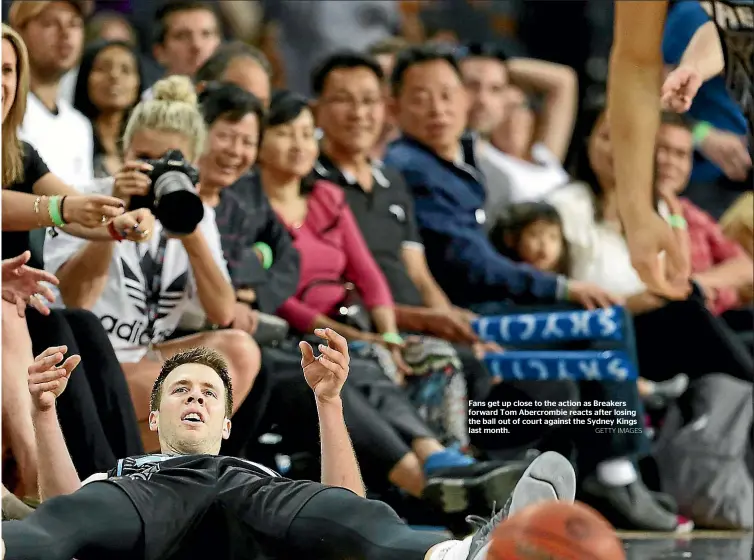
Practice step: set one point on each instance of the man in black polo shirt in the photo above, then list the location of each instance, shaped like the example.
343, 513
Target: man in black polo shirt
382, 204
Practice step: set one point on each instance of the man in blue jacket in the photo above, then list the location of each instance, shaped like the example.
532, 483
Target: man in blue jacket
437, 161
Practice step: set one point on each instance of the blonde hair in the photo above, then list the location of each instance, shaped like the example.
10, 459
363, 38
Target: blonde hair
738, 220
13, 153
173, 108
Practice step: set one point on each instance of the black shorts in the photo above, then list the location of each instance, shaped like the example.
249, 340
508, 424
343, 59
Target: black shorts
192, 506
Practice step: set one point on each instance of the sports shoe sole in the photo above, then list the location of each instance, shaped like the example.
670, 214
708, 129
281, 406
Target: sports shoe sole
456, 495
549, 477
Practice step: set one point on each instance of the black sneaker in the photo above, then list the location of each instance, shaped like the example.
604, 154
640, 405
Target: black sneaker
631, 507
549, 477
476, 487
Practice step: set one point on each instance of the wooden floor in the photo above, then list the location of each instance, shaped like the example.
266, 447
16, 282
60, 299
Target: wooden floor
699, 545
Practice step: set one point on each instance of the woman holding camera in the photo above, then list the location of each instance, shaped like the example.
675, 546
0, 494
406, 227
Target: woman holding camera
141, 291
34, 198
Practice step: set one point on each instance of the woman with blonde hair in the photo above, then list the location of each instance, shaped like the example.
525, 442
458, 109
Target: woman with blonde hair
738, 222
140, 292
33, 198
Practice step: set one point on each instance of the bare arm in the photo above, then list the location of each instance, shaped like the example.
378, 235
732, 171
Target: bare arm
57, 474
733, 273
634, 82
19, 212
326, 374
25, 212
19, 215
214, 290
83, 277
704, 52
339, 464
416, 266
384, 319
559, 84
47, 381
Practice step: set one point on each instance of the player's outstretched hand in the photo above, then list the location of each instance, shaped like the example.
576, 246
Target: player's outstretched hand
22, 285
48, 377
327, 373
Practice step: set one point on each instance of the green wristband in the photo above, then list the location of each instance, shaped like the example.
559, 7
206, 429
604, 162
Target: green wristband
677, 222
53, 208
266, 251
701, 131
392, 338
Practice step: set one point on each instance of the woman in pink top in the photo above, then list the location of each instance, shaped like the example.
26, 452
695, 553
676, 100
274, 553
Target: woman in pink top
324, 231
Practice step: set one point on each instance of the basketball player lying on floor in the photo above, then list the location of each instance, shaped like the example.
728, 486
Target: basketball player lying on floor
191, 503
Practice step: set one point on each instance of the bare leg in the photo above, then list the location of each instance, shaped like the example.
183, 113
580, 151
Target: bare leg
239, 349
425, 447
16, 399
407, 475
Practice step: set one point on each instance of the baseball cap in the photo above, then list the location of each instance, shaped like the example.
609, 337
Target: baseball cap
23, 11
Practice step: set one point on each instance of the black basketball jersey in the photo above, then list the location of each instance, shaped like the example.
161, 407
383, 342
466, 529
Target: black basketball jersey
735, 24
143, 466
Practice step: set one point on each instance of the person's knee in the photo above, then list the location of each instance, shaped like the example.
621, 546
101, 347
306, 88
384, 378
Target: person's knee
83, 318
243, 354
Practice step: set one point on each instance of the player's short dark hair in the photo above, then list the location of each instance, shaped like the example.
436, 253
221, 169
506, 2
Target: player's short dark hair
202, 356
215, 66
173, 7
676, 119
419, 55
345, 59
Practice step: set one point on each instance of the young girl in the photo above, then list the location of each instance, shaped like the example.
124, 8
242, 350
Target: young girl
533, 233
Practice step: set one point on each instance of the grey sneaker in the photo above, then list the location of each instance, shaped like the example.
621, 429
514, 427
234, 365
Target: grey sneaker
631, 507
549, 477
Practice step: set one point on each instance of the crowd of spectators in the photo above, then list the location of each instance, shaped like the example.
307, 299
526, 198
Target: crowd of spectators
389, 170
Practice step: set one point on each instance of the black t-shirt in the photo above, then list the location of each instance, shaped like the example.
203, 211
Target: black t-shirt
735, 23
16, 242
386, 219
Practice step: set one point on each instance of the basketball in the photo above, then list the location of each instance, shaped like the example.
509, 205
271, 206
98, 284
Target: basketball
556, 531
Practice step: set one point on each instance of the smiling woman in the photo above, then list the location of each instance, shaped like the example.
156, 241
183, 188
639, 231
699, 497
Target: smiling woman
107, 88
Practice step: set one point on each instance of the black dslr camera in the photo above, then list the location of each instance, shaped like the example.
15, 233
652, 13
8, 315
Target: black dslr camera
173, 198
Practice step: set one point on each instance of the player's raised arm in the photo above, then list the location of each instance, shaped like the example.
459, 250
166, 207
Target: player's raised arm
326, 374
634, 83
48, 378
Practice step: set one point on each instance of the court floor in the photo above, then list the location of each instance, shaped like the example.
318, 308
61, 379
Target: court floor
700, 545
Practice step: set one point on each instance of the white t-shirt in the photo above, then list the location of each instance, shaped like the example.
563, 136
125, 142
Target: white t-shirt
67, 87
599, 253
64, 140
527, 181
122, 307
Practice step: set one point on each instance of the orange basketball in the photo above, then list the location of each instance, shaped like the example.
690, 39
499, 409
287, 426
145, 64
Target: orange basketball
556, 531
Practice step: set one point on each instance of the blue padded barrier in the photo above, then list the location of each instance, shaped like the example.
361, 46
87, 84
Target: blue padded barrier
557, 326
548, 365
